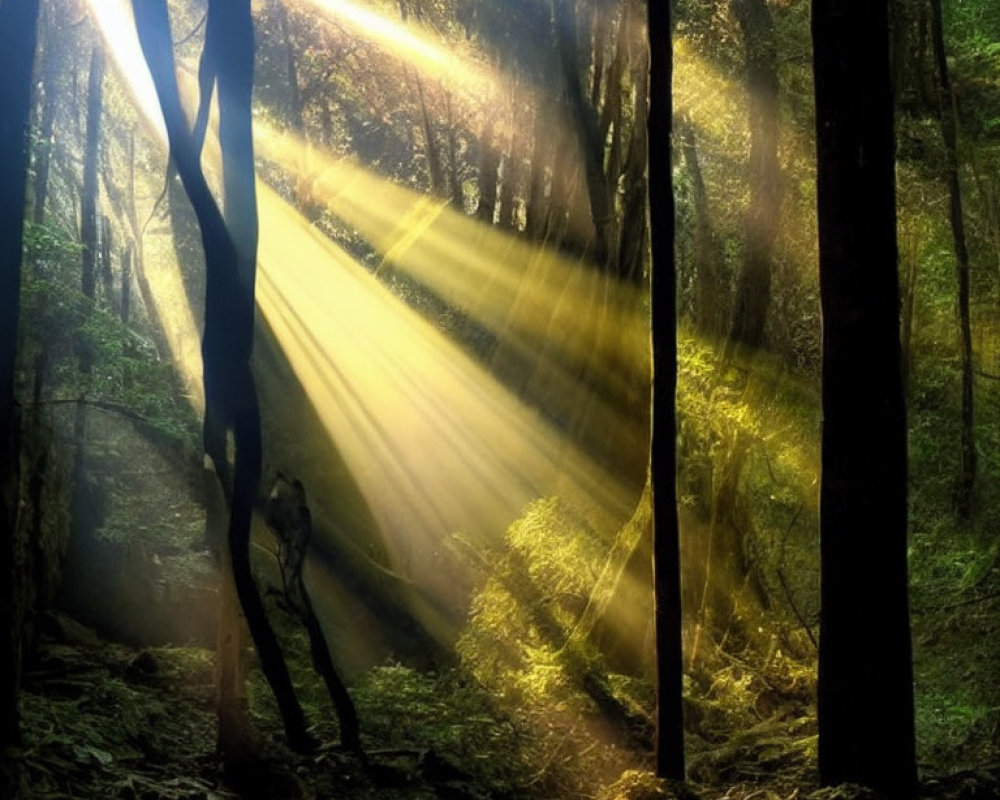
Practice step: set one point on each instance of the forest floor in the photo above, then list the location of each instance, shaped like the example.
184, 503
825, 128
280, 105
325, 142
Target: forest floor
105, 720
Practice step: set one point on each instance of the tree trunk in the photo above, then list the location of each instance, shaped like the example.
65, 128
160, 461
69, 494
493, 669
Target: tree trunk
584, 119
507, 218
291, 69
17, 52
454, 179
230, 394
634, 237
434, 167
948, 114
88, 199
125, 308
107, 275
709, 289
234, 740
536, 207
489, 165
753, 288
50, 71
865, 650
663, 463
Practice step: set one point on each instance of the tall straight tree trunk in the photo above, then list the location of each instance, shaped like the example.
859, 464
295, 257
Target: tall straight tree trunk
18, 30
709, 288
948, 112
43, 159
88, 198
489, 164
454, 176
125, 307
663, 467
587, 125
864, 650
753, 287
291, 68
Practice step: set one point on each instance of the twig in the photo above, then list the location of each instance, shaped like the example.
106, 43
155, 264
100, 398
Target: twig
795, 609
958, 604
194, 30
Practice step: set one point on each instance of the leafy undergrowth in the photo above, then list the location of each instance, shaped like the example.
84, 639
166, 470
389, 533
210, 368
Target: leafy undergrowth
104, 721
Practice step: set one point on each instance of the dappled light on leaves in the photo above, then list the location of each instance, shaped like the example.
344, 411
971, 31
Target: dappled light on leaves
433, 59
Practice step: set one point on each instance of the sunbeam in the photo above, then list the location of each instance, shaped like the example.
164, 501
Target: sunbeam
414, 47
434, 443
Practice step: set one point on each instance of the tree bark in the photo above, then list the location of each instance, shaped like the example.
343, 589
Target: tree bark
291, 69
634, 237
663, 466
230, 394
753, 289
865, 650
489, 164
43, 158
88, 198
18, 24
948, 114
709, 289
454, 179
586, 123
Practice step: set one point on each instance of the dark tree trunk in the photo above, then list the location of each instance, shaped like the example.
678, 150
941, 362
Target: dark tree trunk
230, 395
634, 237
948, 112
126, 301
709, 289
17, 52
865, 651
454, 173
489, 165
507, 218
666, 540
291, 69
753, 288
88, 198
586, 123
434, 168
50, 70
107, 275
535, 211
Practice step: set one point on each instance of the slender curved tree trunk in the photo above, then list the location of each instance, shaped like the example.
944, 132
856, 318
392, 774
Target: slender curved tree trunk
666, 539
18, 30
230, 256
864, 649
948, 112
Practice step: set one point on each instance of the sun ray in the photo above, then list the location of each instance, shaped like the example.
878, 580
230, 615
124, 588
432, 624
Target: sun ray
434, 443
413, 46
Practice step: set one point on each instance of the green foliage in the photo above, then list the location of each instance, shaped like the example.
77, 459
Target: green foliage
523, 616
522, 647
754, 427
61, 324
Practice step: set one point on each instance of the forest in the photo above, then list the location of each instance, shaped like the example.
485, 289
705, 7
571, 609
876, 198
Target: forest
499, 399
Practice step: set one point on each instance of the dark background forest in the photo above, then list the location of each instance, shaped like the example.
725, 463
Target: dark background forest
424, 542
